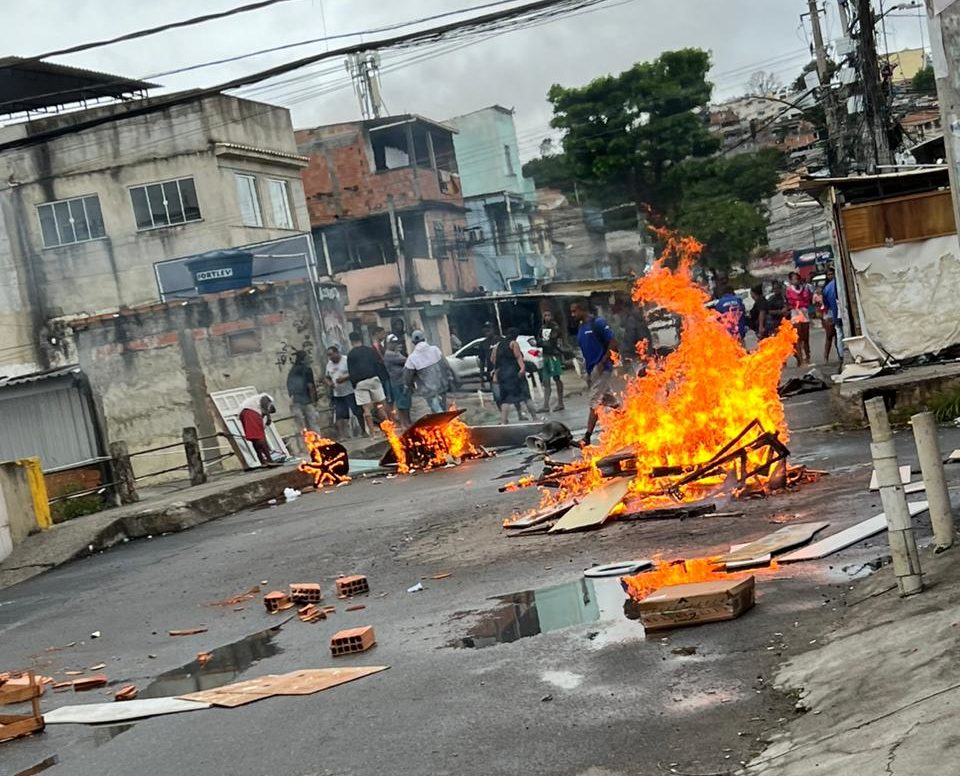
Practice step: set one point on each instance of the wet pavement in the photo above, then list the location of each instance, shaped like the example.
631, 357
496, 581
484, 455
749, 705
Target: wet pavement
514, 658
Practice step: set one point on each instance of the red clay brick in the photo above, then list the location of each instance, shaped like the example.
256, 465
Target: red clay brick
353, 585
276, 601
228, 327
352, 640
305, 592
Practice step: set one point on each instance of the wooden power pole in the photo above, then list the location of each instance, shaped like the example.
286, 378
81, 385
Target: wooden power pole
836, 155
875, 140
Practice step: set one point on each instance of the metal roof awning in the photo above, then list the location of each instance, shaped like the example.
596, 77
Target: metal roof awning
35, 377
28, 85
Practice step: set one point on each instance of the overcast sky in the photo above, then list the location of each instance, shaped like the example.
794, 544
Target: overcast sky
513, 69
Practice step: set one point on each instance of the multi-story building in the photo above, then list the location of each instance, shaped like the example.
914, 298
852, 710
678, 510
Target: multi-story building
386, 207
512, 253
100, 208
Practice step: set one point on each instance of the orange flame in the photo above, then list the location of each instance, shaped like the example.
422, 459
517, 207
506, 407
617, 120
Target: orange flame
692, 402
665, 574
433, 446
328, 464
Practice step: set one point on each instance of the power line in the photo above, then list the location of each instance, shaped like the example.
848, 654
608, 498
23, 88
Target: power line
152, 30
481, 23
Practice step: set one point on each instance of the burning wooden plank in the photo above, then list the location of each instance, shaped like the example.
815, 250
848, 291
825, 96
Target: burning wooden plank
432, 441
695, 603
594, 508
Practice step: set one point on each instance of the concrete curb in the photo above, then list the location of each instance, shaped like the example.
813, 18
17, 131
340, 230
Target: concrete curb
87, 535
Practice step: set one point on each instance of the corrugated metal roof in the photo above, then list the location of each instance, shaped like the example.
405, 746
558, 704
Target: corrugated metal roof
37, 376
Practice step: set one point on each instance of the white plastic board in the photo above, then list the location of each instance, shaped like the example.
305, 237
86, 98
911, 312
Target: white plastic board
904, 477
119, 711
848, 536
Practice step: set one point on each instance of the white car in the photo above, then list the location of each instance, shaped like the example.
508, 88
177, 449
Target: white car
465, 362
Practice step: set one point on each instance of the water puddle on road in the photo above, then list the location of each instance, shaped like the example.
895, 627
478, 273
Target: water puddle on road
581, 602
225, 664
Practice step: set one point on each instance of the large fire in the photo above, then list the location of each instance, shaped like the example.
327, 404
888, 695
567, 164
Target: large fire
690, 404
430, 446
682, 572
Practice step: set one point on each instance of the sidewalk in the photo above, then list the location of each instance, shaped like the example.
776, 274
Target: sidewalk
881, 693
167, 513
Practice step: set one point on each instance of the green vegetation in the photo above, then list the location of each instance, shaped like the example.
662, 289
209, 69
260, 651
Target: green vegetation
77, 506
642, 136
925, 80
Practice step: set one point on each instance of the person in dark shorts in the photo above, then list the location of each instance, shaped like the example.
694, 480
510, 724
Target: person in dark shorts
337, 378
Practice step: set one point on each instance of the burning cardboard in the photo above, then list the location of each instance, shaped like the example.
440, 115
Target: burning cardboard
695, 603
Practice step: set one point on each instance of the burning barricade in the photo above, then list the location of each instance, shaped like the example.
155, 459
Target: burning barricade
433, 441
328, 462
704, 420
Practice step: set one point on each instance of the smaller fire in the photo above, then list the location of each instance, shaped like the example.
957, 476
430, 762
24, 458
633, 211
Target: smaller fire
429, 447
681, 572
328, 464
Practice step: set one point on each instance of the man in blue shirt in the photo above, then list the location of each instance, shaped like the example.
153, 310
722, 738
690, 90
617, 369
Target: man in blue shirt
834, 326
732, 311
598, 345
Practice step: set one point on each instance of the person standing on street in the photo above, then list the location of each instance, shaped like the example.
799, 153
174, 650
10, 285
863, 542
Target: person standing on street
255, 415
799, 298
757, 318
427, 371
551, 343
776, 308
303, 393
730, 307
510, 375
832, 325
364, 368
337, 378
491, 338
378, 336
598, 344
394, 361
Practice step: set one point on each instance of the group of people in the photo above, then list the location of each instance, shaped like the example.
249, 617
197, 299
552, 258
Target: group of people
797, 301
376, 382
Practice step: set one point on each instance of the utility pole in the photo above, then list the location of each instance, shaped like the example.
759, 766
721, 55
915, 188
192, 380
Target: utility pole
364, 70
876, 141
944, 39
844, 11
404, 271
836, 158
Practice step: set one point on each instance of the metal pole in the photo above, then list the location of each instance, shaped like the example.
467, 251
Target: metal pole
931, 464
903, 545
401, 261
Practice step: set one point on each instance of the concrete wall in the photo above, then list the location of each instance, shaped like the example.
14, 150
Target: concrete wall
17, 510
207, 140
480, 141
151, 368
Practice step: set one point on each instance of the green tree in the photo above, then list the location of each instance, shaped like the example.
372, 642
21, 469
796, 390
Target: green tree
924, 80
624, 132
729, 229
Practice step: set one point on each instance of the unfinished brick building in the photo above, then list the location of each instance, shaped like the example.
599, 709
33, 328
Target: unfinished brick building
388, 220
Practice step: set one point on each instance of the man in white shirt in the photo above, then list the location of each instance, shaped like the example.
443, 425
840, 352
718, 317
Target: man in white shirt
337, 378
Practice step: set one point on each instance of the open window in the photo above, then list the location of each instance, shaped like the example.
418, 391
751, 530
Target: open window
390, 148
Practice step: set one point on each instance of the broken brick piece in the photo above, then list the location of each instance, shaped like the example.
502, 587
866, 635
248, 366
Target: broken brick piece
126, 693
356, 607
203, 658
306, 593
89, 682
353, 585
187, 632
352, 640
275, 601
310, 613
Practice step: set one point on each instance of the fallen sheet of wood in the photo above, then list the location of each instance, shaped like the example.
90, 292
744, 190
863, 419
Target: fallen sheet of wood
954, 457
847, 537
904, 477
99, 713
187, 632
787, 537
915, 487
760, 560
304, 682
594, 508
541, 516
677, 606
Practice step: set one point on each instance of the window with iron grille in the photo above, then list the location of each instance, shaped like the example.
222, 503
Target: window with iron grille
71, 221
439, 239
165, 204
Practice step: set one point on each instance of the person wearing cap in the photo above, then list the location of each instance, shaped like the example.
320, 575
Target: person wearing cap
395, 361
365, 368
337, 378
427, 371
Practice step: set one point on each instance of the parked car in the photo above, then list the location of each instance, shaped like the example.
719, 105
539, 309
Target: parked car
465, 362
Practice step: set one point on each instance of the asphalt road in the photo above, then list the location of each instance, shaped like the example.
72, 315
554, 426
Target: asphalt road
591, 698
